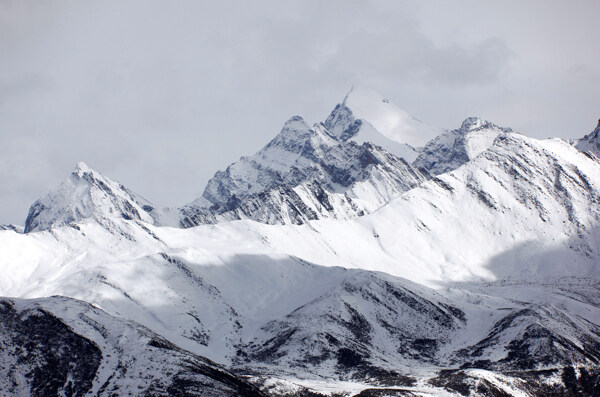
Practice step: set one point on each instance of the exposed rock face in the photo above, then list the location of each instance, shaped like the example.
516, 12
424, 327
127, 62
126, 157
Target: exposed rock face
41, 354
590, 142
304, 174
344, 329
85, 351
14, 228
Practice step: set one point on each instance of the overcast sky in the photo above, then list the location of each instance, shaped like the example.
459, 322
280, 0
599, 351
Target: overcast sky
159, 95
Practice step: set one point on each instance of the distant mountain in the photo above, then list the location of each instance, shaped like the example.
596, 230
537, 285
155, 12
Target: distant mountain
334, 170
454, 148
365, 116
590, 142
83, 195
304, 174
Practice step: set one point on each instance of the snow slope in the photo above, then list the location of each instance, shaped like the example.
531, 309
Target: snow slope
60, 346
511, 205
523, 208
484, 278
270, 297
221, 292
364, 116
86, 194
452, 149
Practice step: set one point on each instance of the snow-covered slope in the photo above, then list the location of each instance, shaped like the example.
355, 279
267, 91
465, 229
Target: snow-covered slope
524, 207
59, 346
86, 194
590, 142
303, 174
220, 291
483, 279
452, 149
364, 116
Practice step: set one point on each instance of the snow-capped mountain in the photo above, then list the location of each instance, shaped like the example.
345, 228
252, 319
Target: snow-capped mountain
86, 194
452, 149
303, 174
364, 116
483, 280
590, 142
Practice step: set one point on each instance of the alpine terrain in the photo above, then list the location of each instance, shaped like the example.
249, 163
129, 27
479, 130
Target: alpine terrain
371, 254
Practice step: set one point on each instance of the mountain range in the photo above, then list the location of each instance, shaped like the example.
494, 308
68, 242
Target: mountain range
370, 254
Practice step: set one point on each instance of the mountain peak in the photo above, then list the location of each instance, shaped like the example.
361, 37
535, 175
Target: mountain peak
454, 148
81, 166
86, 194
295, 123
366, 116
472, 123
476, 123
83, 171
596, 132
590, 142
294, 135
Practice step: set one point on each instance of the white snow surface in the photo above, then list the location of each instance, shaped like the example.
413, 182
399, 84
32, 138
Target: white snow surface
514, 230
133, 359
388, 120
85, 194
452, 149
520, 211
368, 133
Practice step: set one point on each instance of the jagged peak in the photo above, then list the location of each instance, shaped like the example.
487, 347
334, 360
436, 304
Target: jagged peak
590, 142
295, 123
452, 149
85, 194
81, 166
477, 123
296, 133
364, 109
471, 123
84, 172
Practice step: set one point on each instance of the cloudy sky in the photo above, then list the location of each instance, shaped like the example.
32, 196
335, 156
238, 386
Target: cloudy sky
159, 95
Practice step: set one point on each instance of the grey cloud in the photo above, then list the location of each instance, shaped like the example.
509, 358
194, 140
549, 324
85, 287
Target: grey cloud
482, 63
